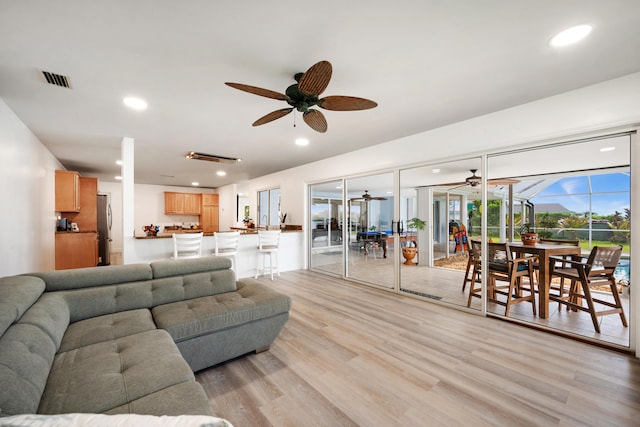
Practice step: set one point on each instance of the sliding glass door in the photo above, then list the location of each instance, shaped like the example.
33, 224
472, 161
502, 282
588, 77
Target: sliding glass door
368, 233
439, 204
326, 226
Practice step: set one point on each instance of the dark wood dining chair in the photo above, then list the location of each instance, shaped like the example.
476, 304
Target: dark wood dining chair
586, 272
471, 268
504, 267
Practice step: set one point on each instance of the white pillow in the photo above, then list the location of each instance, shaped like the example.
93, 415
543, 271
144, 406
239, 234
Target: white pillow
121, 420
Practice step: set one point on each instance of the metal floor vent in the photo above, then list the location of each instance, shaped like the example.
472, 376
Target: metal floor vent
56, 79
211, 157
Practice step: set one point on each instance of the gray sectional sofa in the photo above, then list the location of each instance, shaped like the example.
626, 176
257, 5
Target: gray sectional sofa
127, 339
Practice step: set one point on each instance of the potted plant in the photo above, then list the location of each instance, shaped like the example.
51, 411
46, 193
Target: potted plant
409, 252
248, 222
528, 235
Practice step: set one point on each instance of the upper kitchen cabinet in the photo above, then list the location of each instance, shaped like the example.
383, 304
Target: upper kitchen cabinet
192, 203
209, 217
182, 203
67, 191
87, 218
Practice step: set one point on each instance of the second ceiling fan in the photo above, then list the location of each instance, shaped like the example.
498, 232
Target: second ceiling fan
304, 95
475, 181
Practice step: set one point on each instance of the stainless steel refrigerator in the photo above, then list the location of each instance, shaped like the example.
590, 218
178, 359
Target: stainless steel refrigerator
104, 229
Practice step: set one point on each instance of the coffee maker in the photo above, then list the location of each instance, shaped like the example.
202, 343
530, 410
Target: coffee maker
63, 224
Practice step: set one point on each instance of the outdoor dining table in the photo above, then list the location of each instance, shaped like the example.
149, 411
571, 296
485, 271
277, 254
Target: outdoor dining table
544, 253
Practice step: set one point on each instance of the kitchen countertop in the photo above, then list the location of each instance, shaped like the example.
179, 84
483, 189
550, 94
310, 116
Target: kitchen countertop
165, 235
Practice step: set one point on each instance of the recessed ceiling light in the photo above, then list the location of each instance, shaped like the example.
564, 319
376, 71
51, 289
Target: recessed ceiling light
119, 162
570, 35
195, 183
605, 149
221, 173
435, 170
135, 103
119, 178
302, 141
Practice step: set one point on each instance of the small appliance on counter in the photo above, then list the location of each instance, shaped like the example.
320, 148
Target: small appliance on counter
74, 227
63, 224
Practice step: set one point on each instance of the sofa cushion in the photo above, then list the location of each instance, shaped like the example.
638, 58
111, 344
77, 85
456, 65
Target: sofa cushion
106, 375
17, 294
106, 328
26, 355
184, 398
198, 316
177, 288
181, 267
107, 299
92, 276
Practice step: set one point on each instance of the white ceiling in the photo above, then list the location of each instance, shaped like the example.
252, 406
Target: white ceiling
426, 63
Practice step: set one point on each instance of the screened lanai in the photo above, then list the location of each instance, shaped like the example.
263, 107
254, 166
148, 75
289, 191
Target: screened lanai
576, 190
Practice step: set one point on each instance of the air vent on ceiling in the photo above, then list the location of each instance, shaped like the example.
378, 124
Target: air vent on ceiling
56, 79
211, 157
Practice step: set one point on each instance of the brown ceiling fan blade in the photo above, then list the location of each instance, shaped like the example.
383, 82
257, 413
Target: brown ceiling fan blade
272, 116
316, 121
346, 103
258, 91
316, 79
504, 181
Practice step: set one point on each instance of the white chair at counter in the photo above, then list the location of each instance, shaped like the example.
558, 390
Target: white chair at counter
227, 245
187, 245
268, 245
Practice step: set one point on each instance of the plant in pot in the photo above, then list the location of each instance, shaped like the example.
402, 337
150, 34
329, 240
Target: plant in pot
409, 252
248, 222
528, 235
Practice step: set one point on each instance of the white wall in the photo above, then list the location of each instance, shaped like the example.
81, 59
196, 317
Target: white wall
27, 181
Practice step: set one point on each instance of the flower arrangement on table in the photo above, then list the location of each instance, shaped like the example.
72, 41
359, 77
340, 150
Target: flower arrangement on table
151, 230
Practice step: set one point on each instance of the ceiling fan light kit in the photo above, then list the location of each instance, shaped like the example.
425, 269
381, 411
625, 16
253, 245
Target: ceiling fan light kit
304, 95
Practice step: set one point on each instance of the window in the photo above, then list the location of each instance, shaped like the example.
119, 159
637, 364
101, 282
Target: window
269, 207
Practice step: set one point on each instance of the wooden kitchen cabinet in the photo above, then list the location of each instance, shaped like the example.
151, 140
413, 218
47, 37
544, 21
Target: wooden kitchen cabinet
67, 191
182, 203
192, 203
76, 250
209, 220
87, 218
173, 203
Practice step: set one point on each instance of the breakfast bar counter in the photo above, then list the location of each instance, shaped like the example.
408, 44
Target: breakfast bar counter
291, 256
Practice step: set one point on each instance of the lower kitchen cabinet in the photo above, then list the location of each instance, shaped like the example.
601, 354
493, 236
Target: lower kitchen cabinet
76, 250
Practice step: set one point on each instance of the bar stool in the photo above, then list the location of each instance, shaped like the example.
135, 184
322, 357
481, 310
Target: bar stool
227, 245
187, 245
268, 244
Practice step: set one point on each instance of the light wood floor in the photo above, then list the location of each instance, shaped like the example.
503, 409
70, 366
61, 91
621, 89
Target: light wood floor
352, 355
445, 285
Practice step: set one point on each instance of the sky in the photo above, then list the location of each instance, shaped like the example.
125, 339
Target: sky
610, 193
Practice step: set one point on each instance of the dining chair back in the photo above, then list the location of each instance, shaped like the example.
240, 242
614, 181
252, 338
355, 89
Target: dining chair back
268, 246
187, 245
585, 273
475, 266
227, 245
471, 272
504, 267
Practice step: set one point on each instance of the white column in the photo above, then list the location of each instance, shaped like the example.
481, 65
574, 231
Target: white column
128, 247
634, 297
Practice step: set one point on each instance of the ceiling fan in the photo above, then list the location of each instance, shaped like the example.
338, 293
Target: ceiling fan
304, 95
366, 197
475, 181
